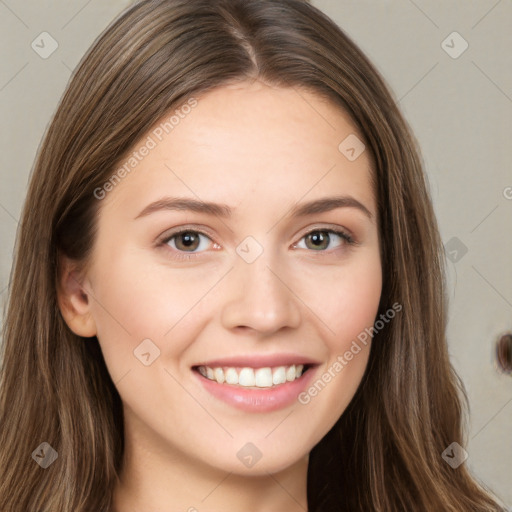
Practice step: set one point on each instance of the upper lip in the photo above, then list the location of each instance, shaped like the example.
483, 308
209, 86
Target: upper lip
259, 361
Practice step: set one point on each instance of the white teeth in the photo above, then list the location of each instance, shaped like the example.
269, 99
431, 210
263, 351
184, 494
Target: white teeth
231, 376
279, 375
246, 377
219, 375
263, 377
290, 373
253, 377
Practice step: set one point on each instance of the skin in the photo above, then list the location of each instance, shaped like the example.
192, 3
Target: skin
260, 150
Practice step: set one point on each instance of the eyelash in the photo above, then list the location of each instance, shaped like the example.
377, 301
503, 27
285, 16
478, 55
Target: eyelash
182, 255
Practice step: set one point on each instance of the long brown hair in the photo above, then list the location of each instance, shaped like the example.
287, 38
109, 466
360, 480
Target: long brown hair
384, 453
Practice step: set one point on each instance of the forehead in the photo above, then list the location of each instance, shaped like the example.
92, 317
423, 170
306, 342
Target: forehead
245, 143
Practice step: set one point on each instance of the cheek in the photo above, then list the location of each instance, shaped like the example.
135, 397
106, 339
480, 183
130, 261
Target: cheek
345, 298
347, 306
135, 300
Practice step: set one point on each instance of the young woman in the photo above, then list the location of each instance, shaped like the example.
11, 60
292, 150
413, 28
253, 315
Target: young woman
228, 289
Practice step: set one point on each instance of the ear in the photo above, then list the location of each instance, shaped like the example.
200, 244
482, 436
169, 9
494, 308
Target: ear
74, 301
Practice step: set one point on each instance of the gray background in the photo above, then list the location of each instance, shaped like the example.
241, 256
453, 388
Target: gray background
459, 108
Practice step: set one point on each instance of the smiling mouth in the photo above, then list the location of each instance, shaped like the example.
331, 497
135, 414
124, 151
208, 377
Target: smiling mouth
255, 378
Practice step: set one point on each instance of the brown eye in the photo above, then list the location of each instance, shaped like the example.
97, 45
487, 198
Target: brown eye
186, 241
320, 239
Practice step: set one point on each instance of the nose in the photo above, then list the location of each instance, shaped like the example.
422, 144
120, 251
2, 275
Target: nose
260, 296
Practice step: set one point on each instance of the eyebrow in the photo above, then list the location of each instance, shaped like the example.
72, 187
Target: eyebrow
222, 210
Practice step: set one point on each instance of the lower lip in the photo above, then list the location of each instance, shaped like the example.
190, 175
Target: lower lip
258, 400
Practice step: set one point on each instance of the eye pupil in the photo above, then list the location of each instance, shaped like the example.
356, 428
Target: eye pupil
318, 237
189, 240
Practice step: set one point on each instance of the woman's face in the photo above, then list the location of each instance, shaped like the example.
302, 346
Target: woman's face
256, 289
